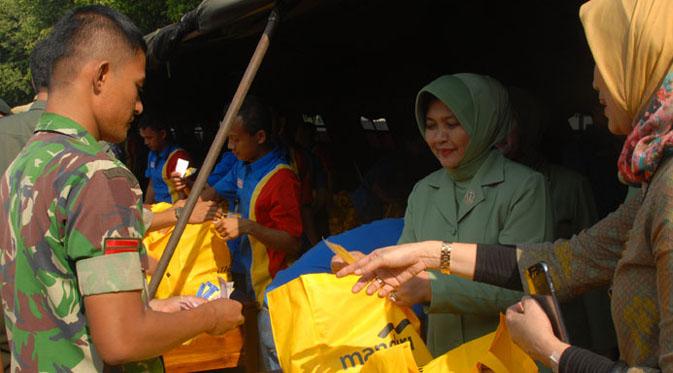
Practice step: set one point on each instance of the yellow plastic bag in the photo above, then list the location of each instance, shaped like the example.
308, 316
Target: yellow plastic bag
201, 256
319, 325
397, 359
495, 351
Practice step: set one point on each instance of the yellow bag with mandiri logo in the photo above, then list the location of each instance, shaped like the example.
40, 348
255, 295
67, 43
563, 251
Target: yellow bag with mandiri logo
494, 351
319, 325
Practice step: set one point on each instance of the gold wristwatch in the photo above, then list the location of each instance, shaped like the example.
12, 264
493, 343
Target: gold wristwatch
445, 258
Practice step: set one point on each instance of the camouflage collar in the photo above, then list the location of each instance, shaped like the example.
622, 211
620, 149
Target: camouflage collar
38, 105
50, 122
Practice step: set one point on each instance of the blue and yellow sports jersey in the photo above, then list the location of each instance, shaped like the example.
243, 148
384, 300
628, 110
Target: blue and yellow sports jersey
160, 165
222, 168
268, 193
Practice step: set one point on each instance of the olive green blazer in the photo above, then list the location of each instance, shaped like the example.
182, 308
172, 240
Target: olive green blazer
504, 203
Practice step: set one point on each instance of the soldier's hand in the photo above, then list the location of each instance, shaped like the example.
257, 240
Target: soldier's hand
177, 303
203, 211
227, 314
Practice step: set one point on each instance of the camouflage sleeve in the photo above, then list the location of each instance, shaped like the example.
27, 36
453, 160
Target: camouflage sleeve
106, 205
110, 273
148, 215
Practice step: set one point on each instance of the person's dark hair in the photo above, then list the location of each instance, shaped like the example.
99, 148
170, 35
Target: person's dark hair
148, 120
40, 65
90, 31
256, 117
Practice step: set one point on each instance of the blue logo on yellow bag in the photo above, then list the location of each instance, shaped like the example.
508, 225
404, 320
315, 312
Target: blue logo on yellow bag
360, 357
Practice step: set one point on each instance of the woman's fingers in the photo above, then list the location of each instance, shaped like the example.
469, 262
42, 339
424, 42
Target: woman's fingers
374, 285
386, 290
363, 266
362, 282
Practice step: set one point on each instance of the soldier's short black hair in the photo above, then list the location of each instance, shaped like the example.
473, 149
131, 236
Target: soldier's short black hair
40, 65
90, 31
256, 117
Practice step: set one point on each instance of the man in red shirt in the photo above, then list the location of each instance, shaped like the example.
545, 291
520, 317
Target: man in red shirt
269, 228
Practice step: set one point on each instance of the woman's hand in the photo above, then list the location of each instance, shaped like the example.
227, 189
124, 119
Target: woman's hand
415, 291
531, 330
386, 269
337, 263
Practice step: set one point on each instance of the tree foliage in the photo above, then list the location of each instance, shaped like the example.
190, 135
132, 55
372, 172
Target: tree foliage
24, 22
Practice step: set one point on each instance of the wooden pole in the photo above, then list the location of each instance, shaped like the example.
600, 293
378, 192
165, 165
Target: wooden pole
215, 148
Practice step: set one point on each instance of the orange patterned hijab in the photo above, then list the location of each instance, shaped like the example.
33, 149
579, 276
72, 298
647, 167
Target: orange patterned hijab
632, 44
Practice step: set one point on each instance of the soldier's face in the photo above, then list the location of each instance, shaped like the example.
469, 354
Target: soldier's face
120, 100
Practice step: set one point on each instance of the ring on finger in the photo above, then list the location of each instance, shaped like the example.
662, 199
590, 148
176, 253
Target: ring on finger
393, 296
379, 281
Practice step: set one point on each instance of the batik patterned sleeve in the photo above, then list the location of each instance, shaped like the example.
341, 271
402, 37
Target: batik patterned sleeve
588, 260
658, 227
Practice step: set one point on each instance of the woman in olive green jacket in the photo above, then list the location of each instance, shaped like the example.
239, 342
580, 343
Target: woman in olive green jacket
477, 196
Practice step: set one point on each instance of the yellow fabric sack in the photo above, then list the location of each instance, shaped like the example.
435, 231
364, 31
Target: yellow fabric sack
319, 325
201, 256
495, 351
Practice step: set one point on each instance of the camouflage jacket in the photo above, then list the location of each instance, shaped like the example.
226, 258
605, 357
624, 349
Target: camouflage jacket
60, 199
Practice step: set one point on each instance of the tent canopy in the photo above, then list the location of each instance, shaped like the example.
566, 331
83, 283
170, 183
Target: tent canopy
369, 52
344, 59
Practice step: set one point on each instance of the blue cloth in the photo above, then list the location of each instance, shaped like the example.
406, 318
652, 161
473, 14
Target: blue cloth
222, 168
154, 171
242, 181
365, 238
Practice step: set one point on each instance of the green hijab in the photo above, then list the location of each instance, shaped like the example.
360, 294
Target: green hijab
481, 105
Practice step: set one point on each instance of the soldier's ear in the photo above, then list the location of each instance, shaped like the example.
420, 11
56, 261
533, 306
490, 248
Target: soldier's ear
102, 76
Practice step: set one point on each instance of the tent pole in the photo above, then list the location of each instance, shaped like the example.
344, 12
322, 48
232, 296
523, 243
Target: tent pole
215, 148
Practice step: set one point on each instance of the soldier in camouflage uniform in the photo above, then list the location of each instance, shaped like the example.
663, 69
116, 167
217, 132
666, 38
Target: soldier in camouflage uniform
15, 131
71, 259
